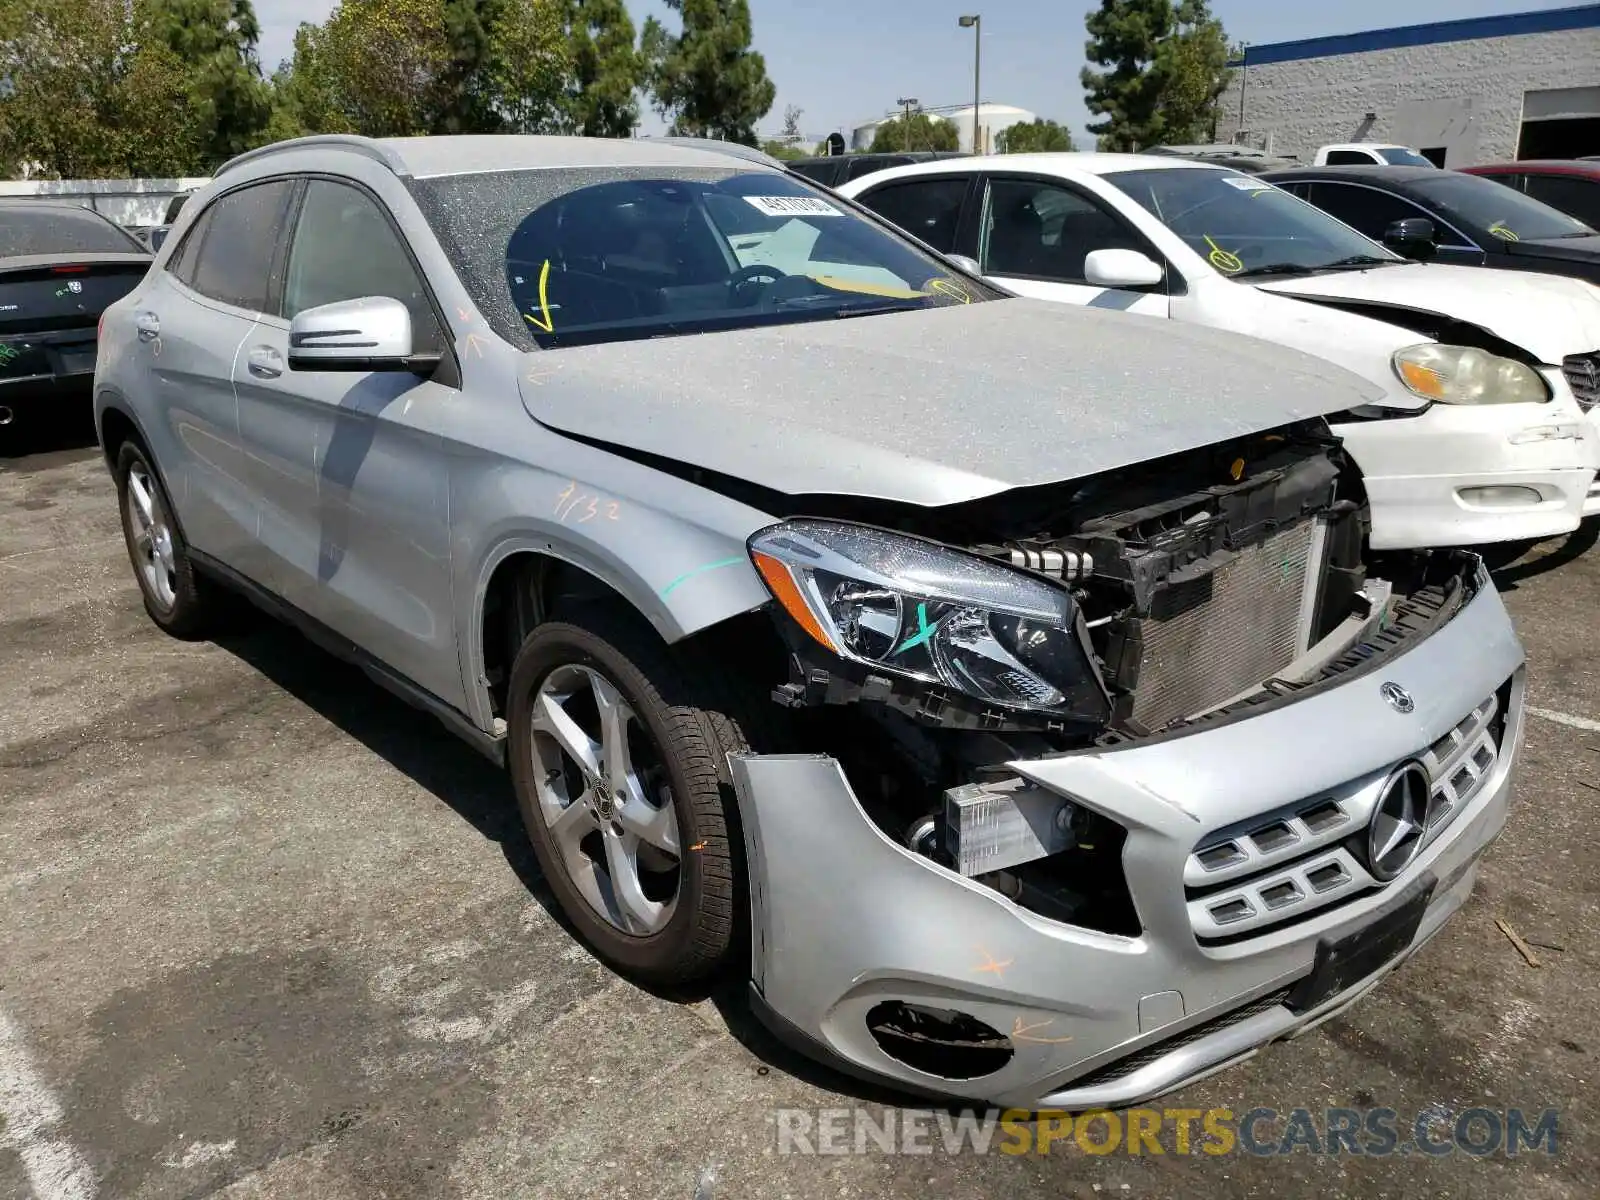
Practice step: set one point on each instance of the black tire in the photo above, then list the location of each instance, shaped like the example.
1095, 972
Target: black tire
695, 718
192, 608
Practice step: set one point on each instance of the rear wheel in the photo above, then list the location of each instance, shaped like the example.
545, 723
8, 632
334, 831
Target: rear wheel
173, 596
618, 747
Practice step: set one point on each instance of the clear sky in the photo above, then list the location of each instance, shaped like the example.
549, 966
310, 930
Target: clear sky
845, 61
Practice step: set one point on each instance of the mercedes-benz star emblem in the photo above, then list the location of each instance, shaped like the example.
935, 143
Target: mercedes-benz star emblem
1395, 835
1399, 699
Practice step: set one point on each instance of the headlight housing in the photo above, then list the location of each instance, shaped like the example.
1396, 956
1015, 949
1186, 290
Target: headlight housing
1467, 375
911, 608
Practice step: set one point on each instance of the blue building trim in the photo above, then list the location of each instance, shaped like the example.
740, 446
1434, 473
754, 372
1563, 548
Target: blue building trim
1550, 20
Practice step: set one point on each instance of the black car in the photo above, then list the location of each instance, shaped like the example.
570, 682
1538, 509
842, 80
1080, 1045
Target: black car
832, 170
60, 266
1423, 212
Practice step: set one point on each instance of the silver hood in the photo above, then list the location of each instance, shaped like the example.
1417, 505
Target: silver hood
936, 406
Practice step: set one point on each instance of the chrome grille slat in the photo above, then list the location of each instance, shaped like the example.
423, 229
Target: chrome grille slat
1252, 891
1582, 372
1198, 648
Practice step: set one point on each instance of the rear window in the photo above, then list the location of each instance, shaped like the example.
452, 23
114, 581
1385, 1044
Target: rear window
55, 229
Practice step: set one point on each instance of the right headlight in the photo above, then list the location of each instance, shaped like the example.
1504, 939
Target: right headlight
1467, 375
912, 608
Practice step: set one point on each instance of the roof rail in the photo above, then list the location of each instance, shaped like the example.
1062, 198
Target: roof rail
343, 141
717, 146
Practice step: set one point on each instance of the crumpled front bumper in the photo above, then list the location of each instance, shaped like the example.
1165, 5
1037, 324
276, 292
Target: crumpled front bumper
1425, 474
845, 918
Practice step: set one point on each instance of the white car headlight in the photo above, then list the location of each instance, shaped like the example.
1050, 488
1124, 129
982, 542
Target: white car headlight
912, 608
1467, 375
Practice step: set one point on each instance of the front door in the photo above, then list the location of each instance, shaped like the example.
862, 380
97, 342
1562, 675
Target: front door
363, 490
1034, 235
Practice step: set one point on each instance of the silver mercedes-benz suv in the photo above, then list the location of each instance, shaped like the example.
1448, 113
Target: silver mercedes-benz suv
1036, 734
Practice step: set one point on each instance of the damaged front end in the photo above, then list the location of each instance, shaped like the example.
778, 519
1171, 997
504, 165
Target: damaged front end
978, 681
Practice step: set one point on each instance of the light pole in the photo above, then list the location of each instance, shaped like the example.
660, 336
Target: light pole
974, 22
905, 129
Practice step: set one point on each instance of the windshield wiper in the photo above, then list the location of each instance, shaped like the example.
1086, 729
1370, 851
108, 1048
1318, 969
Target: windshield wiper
1356, 260
1281, 268
873, 310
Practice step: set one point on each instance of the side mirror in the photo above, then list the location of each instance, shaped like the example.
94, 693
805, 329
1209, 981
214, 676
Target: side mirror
369, 334
1121, 269
969, 265
1411, 236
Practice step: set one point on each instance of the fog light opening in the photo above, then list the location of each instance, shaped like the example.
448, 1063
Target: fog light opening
938, 1041
1500, 496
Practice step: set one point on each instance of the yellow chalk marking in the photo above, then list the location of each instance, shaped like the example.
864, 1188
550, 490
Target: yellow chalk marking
544, 321
1221, 259
955, 291
1500, 231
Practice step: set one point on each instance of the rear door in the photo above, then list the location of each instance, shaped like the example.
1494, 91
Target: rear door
359, 488
1035, 233
928, 207
191, 320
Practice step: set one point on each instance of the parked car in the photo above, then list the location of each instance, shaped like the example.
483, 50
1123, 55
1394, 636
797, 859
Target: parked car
1226, 154
1366, 154
1470, 221
1508, 457
833, 170
1571, 185
1047, 721
60, 266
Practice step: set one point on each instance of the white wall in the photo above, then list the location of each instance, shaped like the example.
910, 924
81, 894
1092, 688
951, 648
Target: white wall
125, 201
1467, 94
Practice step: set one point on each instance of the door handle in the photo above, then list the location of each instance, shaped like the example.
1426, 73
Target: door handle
265, 362
148, 326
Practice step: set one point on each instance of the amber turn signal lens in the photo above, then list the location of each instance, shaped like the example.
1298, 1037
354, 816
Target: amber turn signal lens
783, 588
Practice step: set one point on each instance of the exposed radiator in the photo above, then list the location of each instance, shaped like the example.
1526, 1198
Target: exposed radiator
1210, 639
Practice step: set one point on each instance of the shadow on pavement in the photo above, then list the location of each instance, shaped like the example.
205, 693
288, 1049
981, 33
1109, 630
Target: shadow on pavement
480, 793
1578, 543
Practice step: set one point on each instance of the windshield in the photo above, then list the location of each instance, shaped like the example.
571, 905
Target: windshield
559, 258
57, 229
1399, 156
1497, 209
1244, 226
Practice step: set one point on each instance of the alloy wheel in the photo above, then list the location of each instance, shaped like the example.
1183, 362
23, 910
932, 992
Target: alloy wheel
154, 557
604, 794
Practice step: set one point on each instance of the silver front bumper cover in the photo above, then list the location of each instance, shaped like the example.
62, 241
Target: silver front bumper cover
844, 918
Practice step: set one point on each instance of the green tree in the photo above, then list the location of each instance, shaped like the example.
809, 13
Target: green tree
1194, 64
600, 94
391, 68
216, 41
91, 91
922, 131
706, 80
1034, 137
1167, 65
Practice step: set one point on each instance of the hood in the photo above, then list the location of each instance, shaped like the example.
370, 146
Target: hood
1576, 249
935, 406
1549, 316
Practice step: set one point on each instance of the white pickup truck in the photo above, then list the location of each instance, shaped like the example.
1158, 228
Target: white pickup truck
1366, 154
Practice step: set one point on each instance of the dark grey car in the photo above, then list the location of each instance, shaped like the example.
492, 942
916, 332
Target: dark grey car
1006, 685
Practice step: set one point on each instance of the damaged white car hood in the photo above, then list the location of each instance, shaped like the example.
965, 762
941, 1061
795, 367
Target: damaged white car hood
1550, 316
936, 406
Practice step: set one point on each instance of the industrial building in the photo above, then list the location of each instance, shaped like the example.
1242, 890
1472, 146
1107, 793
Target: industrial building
992, 120
1486, 89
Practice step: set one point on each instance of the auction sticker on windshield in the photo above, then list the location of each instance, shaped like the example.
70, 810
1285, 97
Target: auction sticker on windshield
1246, 184
794, 206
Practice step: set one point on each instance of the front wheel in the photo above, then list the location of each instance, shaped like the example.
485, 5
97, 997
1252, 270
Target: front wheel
618, 752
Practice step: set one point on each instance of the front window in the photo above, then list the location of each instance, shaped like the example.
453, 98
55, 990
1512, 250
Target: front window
1399, 156
1245, 227
1498, 210
560, 258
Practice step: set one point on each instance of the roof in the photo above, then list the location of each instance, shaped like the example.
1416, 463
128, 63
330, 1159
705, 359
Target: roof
1552, 166
1372, 173
468, 154
1548, 20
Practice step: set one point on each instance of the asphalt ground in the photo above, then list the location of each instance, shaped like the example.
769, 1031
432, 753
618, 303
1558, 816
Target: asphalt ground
268, 933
